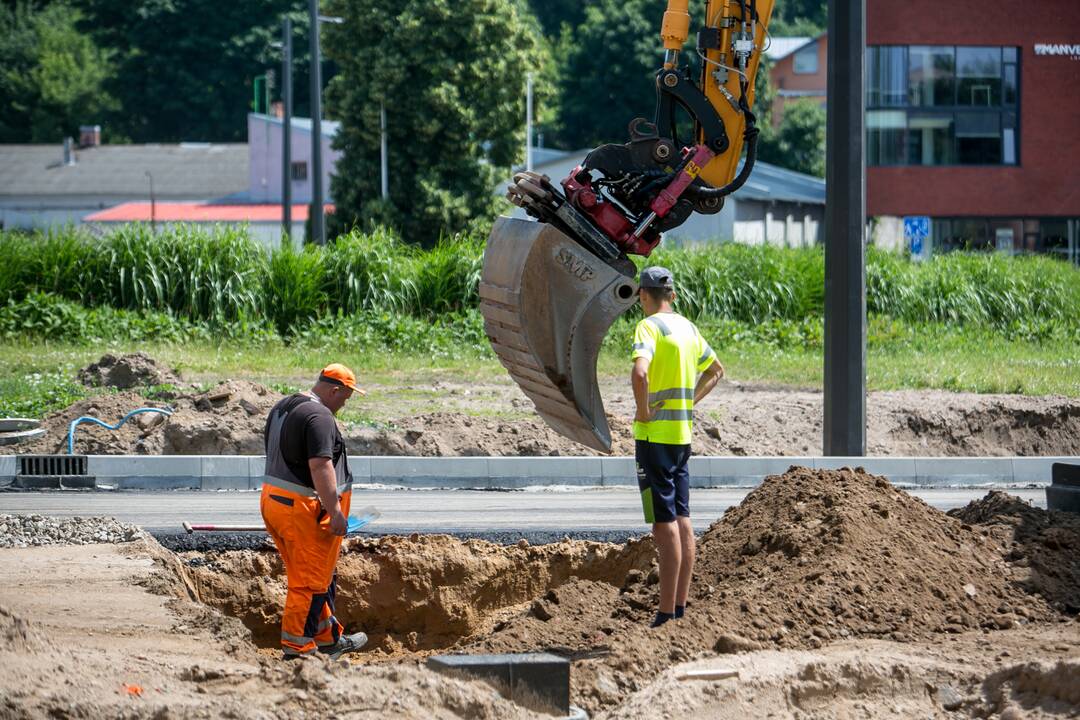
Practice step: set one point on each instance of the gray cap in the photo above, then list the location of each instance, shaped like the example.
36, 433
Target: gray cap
657, 277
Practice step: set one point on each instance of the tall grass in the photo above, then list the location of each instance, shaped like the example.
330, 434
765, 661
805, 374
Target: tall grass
223, 278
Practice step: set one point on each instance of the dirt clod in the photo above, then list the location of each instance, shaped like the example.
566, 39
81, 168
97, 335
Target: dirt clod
127, 371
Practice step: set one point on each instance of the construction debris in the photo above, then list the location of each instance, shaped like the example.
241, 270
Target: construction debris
33, 530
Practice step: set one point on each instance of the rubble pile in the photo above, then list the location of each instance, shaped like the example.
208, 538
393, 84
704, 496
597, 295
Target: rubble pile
18, 531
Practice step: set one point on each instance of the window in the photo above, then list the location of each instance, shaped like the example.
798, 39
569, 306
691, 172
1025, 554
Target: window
1055, 237
886, 76
931, 76
978, 76
930, 139
978, 138
299, 171
885, 137
942, 105
805, 61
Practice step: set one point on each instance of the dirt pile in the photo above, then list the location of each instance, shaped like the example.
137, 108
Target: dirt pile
127, 371
35, 530
227, 419
420, 592
454, 434
809, 558
1042, 548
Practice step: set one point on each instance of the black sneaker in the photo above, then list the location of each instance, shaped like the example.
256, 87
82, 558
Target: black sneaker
346, 644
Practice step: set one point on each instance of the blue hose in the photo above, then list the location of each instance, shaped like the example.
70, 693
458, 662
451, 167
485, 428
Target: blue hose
86, 418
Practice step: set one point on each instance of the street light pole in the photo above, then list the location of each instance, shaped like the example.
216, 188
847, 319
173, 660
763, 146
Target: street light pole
286, 130
318, 225
153, 206
528, 121
844, 426
384, 164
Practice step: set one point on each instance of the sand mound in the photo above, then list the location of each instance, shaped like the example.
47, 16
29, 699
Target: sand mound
814, 555
225, 420
127, 371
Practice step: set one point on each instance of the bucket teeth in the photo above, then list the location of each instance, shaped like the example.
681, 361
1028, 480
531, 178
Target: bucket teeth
547, 304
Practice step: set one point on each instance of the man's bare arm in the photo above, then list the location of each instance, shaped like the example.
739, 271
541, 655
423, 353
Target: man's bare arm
639, 380
325, 481
708, 380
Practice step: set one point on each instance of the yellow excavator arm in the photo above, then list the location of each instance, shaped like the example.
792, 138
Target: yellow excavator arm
551, 289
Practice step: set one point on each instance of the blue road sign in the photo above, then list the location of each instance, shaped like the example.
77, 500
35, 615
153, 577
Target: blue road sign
916, 230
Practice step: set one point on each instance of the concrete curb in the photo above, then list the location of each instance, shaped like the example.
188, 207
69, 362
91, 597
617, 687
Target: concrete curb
245, 472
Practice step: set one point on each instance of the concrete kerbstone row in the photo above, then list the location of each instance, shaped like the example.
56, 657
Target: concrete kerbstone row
965, 470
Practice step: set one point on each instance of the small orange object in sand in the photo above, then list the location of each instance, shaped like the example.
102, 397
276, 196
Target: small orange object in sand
133, 690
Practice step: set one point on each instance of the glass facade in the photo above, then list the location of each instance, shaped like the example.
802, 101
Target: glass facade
941, 105
1057, 236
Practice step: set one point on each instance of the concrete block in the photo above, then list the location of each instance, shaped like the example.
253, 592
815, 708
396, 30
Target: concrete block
750, 471
538, 681
963, 471
360, 466
700, 469
1066, 473
524, 471
156, 482
1065, 498
144, 465
618, 471
224, 482
895, 469
1037, 470
9, 466
430, 471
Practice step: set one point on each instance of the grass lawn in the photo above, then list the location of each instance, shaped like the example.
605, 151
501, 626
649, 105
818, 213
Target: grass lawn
39, 377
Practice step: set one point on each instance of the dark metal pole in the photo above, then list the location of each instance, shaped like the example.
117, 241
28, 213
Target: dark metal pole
845, 228
286, 130
318, 227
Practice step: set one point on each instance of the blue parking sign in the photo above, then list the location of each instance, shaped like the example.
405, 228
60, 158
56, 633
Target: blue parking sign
916, 230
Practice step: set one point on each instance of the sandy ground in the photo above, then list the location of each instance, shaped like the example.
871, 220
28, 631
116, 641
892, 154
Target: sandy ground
829, 594
447, 418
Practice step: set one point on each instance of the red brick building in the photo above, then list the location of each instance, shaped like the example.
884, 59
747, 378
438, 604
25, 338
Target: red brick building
800, 74
973, 119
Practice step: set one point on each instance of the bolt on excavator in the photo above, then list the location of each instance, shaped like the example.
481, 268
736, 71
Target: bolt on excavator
551, 288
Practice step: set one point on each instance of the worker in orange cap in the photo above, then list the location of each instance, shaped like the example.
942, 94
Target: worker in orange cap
305, 502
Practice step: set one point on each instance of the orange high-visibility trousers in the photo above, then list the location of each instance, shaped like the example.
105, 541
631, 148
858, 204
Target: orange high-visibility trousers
301, 531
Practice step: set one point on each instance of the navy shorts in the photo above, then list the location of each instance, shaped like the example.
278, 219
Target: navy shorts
663, 479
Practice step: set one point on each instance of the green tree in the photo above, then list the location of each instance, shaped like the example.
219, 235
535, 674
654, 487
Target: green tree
799, 17
185, 67
608, 71
451, 75
51, 75
799, 143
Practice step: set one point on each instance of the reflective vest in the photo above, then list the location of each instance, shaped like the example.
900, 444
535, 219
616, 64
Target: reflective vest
677, 354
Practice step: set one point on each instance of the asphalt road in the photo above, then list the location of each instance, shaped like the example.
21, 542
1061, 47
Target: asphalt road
539, 513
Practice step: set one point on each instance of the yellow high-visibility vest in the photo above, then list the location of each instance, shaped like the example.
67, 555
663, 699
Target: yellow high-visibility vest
677, 354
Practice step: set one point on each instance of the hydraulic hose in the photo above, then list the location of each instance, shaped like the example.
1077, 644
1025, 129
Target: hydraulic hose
750, 135
88, 419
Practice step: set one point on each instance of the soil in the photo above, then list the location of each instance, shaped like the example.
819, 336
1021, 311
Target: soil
127, 371
831, 594
456, 418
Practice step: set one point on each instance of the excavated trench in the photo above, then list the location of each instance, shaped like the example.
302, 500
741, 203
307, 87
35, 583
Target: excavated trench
416, 593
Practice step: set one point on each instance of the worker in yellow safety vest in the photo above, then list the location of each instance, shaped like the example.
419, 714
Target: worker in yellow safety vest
668, 354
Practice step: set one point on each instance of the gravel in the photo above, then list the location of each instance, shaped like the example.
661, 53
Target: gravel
17, 531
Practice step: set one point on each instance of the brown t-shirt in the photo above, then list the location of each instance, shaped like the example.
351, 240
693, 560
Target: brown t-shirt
305, 429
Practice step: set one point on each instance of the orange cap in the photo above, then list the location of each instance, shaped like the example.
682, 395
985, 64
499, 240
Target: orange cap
338, 374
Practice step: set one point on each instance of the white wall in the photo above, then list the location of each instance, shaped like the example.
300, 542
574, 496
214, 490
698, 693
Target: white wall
264, 151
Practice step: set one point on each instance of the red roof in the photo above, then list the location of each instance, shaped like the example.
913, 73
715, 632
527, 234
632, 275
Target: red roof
199, 212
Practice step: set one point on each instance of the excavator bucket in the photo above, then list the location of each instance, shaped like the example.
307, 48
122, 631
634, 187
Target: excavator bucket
547, 305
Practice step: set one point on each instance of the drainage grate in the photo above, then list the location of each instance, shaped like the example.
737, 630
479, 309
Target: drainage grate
59, 465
